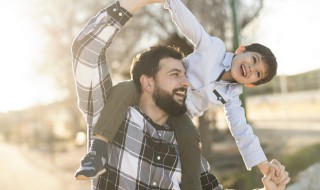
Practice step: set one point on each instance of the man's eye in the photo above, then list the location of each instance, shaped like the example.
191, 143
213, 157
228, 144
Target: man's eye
175, 74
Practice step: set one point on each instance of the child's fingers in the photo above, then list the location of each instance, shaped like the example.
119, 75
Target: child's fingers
274, 161
278, 167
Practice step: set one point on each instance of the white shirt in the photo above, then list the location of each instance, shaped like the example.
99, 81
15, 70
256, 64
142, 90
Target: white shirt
204, 68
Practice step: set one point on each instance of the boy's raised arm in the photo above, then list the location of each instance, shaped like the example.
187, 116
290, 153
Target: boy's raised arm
133, 6
188, 24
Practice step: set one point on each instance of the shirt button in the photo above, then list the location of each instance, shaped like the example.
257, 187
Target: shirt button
154, 183
114, 9
158, 158
120, 14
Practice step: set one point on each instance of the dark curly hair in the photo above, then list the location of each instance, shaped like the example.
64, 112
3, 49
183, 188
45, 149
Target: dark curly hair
147, 62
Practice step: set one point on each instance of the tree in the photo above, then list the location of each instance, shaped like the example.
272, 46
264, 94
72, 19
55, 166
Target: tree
62, 20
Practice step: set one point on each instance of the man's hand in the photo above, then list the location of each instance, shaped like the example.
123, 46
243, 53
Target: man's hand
135, 5
271, 185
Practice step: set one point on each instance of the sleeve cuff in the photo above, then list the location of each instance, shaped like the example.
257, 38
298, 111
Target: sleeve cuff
117, 12
254, 159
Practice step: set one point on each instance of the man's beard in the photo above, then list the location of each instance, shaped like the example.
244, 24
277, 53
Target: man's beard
165, 101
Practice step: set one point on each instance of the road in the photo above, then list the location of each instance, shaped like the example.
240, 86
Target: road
18, 172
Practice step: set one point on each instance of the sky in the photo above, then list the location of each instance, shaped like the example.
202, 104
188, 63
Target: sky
289, 27
20, 50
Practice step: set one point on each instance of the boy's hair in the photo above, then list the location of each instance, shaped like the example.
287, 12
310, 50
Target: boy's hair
147, 62
268, 57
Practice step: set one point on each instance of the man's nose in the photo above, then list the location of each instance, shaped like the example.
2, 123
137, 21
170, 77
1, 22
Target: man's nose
185, 82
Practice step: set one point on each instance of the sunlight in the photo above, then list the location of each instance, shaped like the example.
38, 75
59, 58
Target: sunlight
21, 45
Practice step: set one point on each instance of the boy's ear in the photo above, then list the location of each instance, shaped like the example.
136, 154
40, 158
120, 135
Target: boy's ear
146, 83
241, 49
250, 85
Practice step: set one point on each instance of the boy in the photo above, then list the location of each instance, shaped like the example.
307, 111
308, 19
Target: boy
216, 78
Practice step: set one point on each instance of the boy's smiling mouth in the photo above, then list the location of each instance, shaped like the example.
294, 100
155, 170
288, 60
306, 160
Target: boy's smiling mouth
243, 70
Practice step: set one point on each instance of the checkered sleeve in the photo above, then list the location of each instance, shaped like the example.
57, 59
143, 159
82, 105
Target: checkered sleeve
208, 180
90, 69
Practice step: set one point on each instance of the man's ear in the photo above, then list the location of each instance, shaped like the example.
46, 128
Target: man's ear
146, 83
250, 85
241, 49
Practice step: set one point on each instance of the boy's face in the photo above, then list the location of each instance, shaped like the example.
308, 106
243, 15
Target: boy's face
248, 67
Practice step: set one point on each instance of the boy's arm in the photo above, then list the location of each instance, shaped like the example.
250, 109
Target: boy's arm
188, 24
247, 142
204, 63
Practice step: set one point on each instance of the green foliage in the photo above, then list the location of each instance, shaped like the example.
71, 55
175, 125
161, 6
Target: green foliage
294, 163
301, 160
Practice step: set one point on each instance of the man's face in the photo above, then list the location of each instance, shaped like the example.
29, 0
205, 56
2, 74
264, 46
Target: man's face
248, 68
171, 87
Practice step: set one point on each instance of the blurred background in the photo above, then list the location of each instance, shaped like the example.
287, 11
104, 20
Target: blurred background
43, 135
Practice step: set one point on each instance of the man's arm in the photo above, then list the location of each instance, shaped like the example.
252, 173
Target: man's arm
90, 67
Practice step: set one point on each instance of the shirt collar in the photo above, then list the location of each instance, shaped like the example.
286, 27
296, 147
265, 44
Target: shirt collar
227, 60
226, 64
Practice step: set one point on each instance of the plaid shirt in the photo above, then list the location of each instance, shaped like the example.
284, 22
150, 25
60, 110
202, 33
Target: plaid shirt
142, 155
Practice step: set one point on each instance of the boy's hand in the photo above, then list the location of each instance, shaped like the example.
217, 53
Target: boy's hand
155, 1
266, 167
281, 175
135, 5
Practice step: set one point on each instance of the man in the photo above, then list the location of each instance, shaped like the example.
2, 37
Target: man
143, 153
216, 78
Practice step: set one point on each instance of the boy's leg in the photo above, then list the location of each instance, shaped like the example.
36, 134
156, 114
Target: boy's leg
112, 115
122, 95
188, 139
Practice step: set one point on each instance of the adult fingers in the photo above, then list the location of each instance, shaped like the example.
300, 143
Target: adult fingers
283, 184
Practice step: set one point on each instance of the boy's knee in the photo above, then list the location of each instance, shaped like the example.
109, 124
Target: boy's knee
125, 92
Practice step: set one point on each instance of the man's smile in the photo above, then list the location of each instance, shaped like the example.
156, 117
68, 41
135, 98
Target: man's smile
181, 92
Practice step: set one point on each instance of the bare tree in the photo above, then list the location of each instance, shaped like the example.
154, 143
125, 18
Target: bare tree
62, 20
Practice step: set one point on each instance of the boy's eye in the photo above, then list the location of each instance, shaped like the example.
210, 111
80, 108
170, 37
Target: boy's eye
254, 60
258, 74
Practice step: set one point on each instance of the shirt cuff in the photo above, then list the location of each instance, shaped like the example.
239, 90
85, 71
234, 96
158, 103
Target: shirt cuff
117, 12
254, 159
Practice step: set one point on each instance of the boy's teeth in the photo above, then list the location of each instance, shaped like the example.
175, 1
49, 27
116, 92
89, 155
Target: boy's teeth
244, 71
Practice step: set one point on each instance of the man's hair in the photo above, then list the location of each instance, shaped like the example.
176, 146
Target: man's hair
268, 57
147, 62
